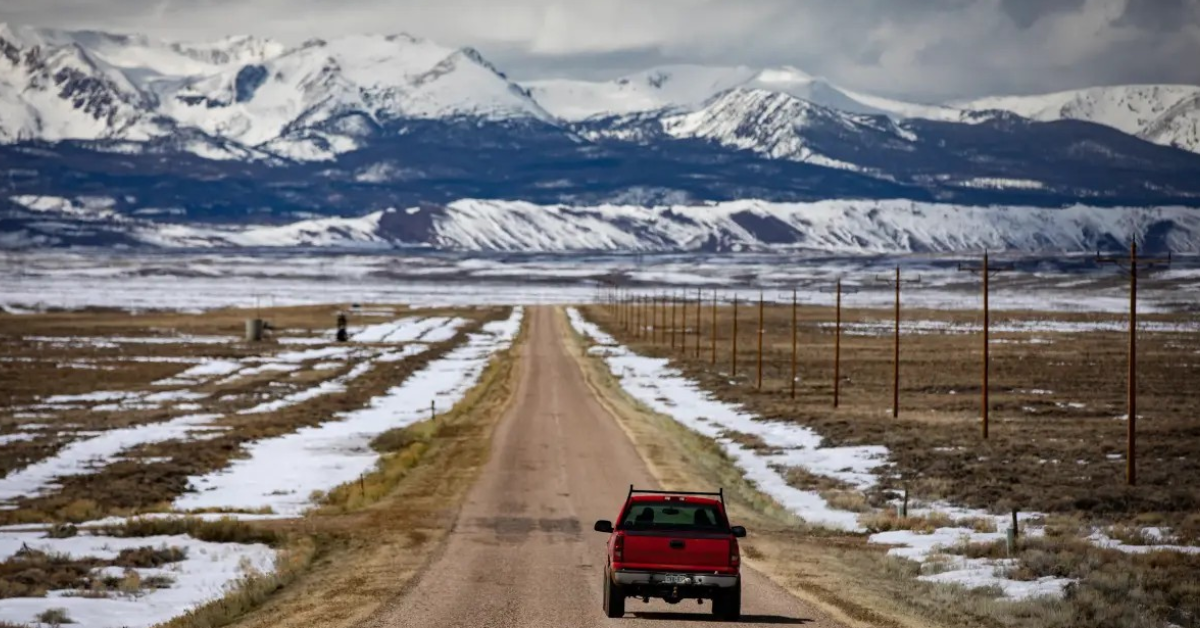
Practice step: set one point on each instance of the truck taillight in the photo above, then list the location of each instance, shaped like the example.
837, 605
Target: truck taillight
619, 548
734, 558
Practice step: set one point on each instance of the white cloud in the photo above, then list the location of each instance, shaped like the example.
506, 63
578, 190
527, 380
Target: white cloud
927, 49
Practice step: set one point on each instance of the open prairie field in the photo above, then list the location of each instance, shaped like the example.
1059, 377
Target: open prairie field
1058, 391
196, 453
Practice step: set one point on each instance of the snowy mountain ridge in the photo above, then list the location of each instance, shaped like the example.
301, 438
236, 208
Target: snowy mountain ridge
842, 227
309, 102
324, 98
1168, 115
688, 87
1163, 114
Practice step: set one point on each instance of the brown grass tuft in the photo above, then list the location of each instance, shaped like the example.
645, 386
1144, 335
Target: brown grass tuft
888, 520
224, 530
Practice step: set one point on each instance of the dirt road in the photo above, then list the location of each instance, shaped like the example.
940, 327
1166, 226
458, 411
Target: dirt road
523, 552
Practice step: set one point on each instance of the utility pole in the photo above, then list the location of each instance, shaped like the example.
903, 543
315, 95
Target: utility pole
761, 332
637, 310
897, 282
621, 307
713, 339
986, 271
672, 328
795, 339
643, 311
647, 323
699, 307
642, 315
733, 361
839, 290
660, 318
1132, 265
683, 301
630, 313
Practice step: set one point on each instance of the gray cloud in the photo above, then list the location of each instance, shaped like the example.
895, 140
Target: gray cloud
1160, 15
921, 49
1026, 13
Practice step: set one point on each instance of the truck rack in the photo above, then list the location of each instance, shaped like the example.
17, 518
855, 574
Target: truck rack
720, 494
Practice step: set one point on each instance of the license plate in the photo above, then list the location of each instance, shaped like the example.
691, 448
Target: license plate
677, 580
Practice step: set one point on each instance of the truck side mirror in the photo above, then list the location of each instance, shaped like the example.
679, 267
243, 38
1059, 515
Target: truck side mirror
603, 526
738, 532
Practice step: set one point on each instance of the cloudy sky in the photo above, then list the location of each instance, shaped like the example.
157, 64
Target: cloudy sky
920, 49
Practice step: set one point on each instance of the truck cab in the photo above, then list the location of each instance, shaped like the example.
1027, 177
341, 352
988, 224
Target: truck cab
673, 545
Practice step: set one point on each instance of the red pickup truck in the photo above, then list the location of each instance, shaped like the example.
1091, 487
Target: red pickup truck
675, 546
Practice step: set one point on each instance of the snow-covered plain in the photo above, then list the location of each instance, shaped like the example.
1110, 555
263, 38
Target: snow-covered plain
198, 281
207, 572
86, 456
93, 451
339, 451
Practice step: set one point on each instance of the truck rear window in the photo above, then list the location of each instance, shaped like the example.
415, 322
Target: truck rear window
674, 516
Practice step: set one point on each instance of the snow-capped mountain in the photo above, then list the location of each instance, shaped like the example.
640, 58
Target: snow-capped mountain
1163, 114
976, 153
84, 85
311, 102
842, 227
776, 125
325, 98
66, 93
688, 87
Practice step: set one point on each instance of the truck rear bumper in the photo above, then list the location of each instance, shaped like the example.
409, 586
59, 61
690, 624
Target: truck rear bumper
656, 579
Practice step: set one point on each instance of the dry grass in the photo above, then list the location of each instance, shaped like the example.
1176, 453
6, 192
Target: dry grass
33, 573
253, 590
888, 520
224, 530
750, 441
55, 617
851, 501
1113, 589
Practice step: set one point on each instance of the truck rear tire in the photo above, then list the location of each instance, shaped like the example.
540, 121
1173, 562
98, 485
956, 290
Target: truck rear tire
727, 605
614, 598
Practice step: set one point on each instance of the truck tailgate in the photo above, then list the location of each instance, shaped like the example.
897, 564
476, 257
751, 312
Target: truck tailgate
676, 552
